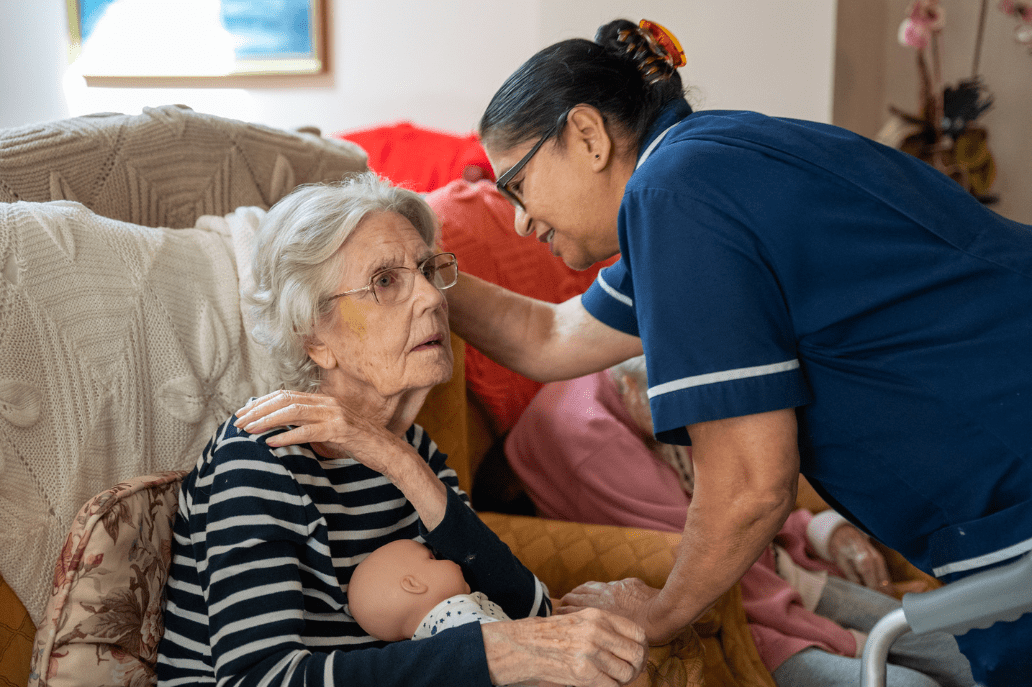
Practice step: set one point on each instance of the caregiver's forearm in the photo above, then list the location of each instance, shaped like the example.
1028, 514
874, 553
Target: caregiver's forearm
497, 321
540, 340
746, 472
719, 544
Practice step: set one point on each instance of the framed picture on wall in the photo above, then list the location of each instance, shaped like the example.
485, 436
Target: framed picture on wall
197, 39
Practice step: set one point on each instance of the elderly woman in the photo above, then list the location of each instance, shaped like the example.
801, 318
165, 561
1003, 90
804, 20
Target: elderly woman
302, 484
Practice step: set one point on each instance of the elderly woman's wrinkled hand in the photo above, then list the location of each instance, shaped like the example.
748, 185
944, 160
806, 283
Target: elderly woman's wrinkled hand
321, 420
336, 431
592, 648
630, 598
862, 563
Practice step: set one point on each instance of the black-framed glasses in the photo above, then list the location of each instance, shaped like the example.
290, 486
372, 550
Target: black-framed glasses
394, 284
503, 181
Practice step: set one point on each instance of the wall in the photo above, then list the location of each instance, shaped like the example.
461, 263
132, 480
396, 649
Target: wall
872, 72
32, 61
774, 56
438, 63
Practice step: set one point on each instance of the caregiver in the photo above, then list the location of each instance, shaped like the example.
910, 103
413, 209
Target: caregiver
808, 300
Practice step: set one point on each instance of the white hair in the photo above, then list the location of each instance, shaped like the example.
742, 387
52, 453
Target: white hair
633, 368
295, 267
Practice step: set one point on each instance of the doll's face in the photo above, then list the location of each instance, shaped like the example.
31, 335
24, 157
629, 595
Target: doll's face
394, 588
442, 578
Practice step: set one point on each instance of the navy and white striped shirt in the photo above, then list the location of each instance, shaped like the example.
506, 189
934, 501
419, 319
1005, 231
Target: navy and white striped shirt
265, 543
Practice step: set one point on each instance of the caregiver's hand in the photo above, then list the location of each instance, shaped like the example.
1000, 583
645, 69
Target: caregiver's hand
336, 431
630, 598
590, 648
852, 551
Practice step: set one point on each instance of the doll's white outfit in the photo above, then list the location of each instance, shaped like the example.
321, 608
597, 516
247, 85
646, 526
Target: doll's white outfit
459, 610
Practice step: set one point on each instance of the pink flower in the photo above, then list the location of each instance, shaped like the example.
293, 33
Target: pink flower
924, 18
1019, 10
1023, 13
913, 35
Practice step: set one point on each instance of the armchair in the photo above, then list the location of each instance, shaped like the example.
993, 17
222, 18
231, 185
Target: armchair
122, 346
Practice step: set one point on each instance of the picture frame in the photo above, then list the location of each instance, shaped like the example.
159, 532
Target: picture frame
198, 42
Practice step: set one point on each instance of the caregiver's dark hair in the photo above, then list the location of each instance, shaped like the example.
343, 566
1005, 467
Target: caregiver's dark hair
608, 74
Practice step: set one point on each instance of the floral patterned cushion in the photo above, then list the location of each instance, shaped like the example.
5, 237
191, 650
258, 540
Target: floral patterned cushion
103, 620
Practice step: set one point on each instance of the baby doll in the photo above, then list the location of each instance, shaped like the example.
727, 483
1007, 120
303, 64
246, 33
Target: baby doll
400, 591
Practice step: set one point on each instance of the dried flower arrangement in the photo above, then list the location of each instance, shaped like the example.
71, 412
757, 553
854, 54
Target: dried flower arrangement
948, 135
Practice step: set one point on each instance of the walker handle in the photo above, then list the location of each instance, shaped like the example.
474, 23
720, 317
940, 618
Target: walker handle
977, 601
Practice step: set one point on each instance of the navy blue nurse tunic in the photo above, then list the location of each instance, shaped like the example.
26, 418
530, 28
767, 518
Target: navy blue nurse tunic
769, 263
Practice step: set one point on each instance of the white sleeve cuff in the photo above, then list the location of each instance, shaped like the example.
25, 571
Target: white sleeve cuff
861, 641
820, 529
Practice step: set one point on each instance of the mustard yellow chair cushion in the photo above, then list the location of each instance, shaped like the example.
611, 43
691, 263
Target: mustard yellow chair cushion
717, 651
16, 632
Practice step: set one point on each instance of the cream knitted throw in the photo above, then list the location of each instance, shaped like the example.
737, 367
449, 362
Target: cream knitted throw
167, 166
122, 346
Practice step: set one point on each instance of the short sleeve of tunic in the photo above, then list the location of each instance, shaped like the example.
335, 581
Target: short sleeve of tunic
697, 284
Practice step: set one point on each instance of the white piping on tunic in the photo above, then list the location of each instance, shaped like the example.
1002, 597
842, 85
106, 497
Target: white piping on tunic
722, 376
613, 292
984, 560
652, 146
711, 377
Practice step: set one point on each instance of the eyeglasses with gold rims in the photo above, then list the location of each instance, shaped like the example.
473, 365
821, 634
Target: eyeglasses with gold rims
394, 284
504, 181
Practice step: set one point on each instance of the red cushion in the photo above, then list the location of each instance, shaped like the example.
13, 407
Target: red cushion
477, 225
421, 159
